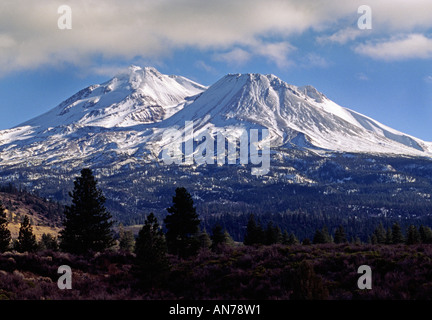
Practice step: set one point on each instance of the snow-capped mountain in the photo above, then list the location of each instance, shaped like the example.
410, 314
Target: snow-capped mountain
299, 116
128, 114
135, 96
117, 128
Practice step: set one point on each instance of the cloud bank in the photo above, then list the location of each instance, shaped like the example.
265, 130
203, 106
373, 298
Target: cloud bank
412, 46
234, 30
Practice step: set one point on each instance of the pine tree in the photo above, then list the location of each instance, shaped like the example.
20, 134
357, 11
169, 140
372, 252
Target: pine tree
126, 240
87, 227
151, 252
389, 236
182, 225
218, 237
425, 234
340, 236
292, 239
204, 240
327, 237
322, 236
254, 232
318, 237
285, 237
5, 235
413, 235
306, 242
272, 234
380, 234
26, 239
397, 236
228, 239
48, 242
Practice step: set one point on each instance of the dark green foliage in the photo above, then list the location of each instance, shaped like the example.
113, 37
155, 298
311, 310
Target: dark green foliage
87, 226
380, 234
318, 237
289, 239
182, 225
425, 234
397, 235
292, 239
48, 242
306, 242
151, 252
5, 235
273, 234
254, 232
340, 236
322, 236
126, 240
26, 239
389, 236
218, 237
204, 240
413, 235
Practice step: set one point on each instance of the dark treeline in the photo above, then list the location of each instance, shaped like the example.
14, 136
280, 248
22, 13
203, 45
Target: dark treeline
257, 234
304, 224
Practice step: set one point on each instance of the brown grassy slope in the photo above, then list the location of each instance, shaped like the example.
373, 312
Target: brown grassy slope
43, 215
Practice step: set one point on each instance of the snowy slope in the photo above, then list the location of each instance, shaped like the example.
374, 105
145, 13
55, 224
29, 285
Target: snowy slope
293, 115
128, 114
136, 96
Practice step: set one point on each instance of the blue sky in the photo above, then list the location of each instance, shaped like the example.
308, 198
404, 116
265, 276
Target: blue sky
384, 72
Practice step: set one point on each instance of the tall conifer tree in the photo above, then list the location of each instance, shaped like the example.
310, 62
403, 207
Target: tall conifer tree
5, 235
26, 239
151, 250
87, 227
254, 232
182, 225
397, 235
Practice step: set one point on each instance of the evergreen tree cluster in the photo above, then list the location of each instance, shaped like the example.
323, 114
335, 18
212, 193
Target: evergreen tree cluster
256, 235
394, 235
5, 235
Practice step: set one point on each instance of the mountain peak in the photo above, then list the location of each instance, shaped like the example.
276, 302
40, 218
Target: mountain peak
313, 93
136, 95
144, 96
138, 69
134, 76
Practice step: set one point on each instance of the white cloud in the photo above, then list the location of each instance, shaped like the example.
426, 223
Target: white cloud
428, 79
152, 29
343, 36
204, 66
275, 52
6, 41
412, 46
131, 28
314, 60
237, 56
